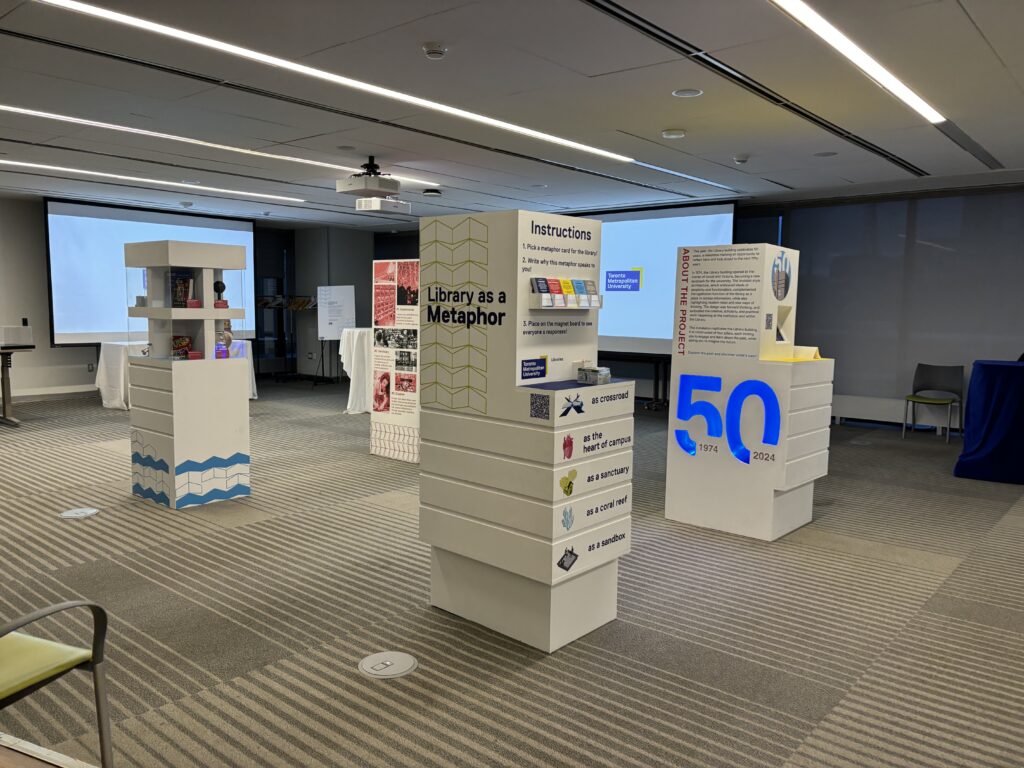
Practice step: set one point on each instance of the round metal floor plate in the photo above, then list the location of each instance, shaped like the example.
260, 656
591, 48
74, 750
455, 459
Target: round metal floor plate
388, 664
78, 514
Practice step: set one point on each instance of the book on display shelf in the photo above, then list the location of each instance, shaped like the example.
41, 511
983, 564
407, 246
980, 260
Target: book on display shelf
181, 282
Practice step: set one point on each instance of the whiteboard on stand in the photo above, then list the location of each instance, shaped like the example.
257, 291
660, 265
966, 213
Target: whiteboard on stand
335, 310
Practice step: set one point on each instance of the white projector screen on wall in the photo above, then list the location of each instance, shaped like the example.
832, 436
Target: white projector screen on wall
638, 272
88, 281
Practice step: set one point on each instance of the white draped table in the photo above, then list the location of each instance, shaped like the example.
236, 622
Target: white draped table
112, 370
356, 353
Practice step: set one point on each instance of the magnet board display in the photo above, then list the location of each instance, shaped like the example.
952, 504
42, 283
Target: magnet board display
395, 413
335, 310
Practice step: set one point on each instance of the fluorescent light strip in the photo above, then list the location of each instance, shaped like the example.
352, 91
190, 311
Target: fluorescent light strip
302, 69
698, 179
119, 177
187, 140
811, 19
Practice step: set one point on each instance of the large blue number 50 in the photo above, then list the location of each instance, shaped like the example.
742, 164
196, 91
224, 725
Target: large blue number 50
734, 410
687, 408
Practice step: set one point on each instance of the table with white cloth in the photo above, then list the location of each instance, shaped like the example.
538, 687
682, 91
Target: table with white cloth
112, 369
356, 353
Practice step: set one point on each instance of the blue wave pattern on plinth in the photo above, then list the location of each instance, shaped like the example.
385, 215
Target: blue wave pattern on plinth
149, 493
213, 479
192, 499
149, 461
214, 462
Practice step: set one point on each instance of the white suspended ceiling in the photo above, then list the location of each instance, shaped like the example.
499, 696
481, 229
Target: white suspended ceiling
559, 66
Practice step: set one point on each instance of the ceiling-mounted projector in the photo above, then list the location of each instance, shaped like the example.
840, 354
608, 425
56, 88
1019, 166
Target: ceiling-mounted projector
369, 183
383, 205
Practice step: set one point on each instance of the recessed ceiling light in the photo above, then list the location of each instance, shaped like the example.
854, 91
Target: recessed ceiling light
346, 147
187, 140
139, 179
435, 51
825, 154
673, 133
815, 22
432, 192
191, 181
687, 93
539, 186
320, 74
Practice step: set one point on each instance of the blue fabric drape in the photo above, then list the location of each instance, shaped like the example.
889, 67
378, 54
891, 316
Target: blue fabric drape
994, 423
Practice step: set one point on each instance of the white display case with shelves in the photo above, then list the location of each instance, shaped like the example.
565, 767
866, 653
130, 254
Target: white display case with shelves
189, 395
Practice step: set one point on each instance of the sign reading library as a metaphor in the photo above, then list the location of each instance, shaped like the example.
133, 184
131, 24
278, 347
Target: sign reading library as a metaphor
482, 302
526, 485
750, 410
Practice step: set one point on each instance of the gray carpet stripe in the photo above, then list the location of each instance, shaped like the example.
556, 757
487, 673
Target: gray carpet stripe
304, 712
371, 710
477, 650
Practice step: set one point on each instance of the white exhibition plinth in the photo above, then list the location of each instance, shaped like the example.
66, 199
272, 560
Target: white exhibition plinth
189, 418
751, 410
526, 484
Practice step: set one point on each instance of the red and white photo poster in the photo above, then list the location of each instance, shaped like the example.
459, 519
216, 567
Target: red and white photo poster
381, 391
407, 296
383, 304
395, 416
385, 272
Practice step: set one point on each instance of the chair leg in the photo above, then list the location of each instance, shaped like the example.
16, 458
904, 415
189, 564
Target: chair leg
913, 417
99, 680
949, 420
906, 409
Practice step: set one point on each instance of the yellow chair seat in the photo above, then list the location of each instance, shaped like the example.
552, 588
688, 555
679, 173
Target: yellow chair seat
922, 400
27, 660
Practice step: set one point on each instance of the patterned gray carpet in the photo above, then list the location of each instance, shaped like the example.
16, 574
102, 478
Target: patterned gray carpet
890, 632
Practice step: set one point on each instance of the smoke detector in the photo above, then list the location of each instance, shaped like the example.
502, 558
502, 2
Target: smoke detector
673, 133
740, 159
432, 192
434, 51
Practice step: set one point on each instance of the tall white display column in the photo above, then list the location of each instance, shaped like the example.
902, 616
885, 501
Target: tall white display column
750, 410
526, 485
189, 396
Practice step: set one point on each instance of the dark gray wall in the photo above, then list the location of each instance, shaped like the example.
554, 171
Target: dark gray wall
330, 256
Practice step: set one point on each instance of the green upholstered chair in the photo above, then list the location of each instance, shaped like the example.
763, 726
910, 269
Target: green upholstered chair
28, 663
939, 379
